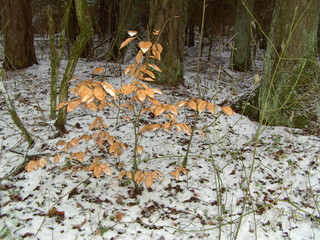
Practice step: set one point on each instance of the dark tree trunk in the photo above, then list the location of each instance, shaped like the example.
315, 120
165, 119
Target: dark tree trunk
289, 91
263, 14
18, 34
102, 20
170, 18
192, 18
241, 54
128, 18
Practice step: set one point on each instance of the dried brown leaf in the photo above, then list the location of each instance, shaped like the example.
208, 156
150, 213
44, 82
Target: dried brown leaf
141, 95
156, 32
155, 67
139, 177
139, 56
109, 89
192, 104
121, 174
166, 126
202, 105
150, 127
139, 150
149, 92
147, 79
173, 109
73, 105
145, 46
156, 54
158, 47
184, 127
31, 166
53, 212
132, 33
158, 110
74, 142
181, 104
98, 70
118, 216
126, 42
211, 107
61, 105
79, 156
129, 174
128, 68
151, 74
61, 142
56, 158
99, 93
92, 106
149, 180
127, 89
42, 162
85, 93
227, 110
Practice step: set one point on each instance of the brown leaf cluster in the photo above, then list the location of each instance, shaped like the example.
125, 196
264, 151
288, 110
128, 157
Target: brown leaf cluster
99, 167
35, 164
142, 176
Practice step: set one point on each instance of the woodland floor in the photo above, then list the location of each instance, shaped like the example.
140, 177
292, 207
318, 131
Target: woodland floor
215, 200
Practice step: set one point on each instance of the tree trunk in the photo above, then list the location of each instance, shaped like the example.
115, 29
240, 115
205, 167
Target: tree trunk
18, 34
73, 31
289, 91
129, 11
170, 18
241, 54
86, 31
56, 51
192, 10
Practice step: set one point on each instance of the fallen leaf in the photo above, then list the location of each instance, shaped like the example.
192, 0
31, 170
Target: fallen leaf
98, 70
118, 216
53, 212
56, 158
139, 149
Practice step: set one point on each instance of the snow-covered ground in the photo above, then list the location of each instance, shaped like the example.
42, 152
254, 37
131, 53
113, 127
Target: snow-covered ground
236, 187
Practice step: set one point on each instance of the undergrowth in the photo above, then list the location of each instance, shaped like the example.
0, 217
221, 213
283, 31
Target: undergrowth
138, 105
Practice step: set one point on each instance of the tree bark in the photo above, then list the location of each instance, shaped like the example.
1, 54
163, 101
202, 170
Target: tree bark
241, 54
86, 31
170, 18
289, 90
56, 51
18, 34
73, 31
